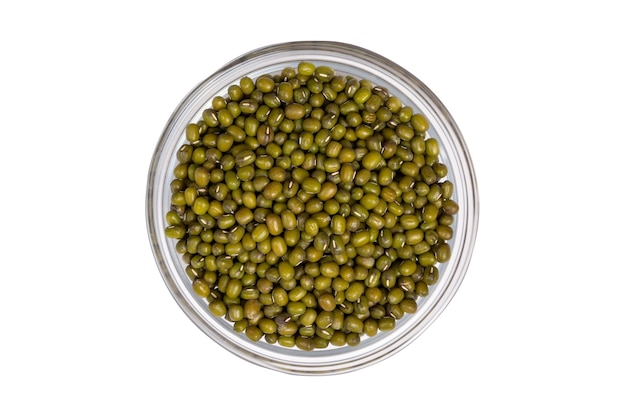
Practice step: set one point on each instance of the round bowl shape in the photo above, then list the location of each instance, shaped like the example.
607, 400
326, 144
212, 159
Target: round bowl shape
347, 60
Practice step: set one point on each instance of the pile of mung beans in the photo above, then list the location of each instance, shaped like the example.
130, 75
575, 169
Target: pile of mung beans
311, 209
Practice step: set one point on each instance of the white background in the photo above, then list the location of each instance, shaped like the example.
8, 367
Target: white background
87, 326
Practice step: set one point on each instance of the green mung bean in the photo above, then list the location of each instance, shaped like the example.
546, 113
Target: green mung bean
311, 208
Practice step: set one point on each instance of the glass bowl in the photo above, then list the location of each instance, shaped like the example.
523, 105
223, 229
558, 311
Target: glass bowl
348, 60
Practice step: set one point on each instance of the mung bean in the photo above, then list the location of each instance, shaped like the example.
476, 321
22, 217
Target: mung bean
312, 208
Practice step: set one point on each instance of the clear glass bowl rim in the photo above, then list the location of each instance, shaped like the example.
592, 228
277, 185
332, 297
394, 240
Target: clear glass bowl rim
402, 83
